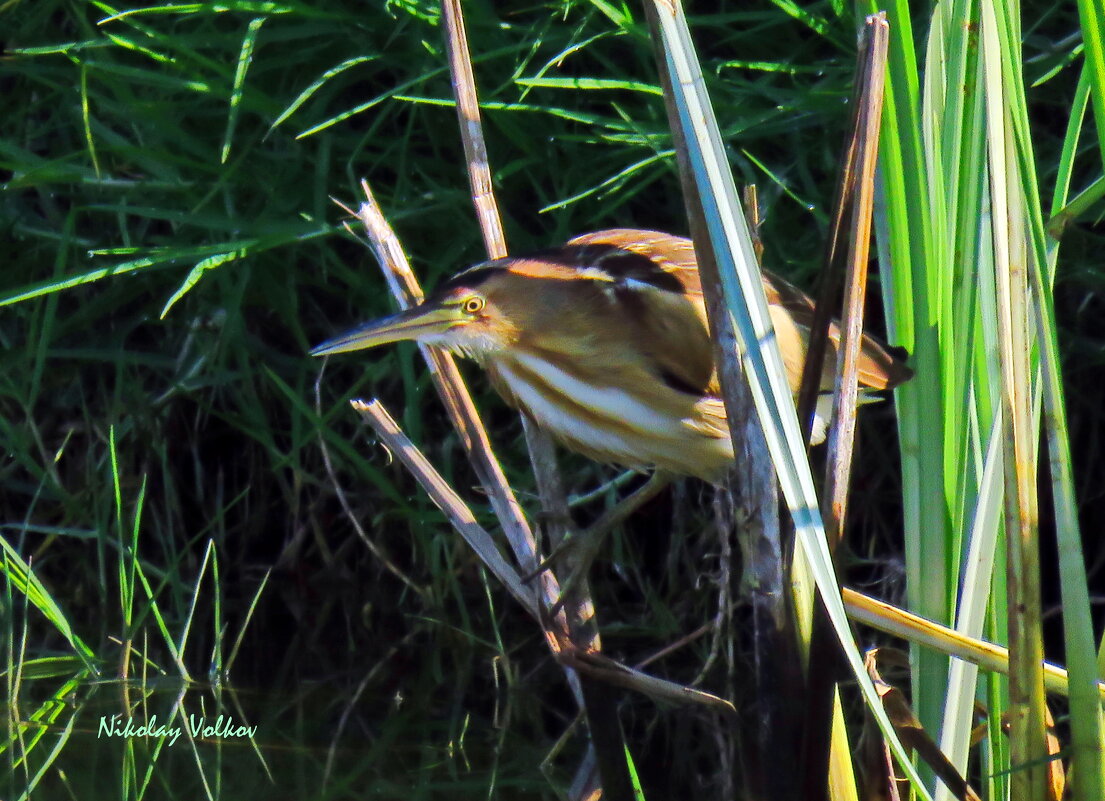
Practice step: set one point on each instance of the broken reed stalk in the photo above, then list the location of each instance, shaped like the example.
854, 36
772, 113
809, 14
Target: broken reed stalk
855, 193
909, 728
454, 394
446, 499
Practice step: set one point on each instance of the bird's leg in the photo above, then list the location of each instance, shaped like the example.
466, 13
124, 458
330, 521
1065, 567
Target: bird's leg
594, 535
584, 545
615, 483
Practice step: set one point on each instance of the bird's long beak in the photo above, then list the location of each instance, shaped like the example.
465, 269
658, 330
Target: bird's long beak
418, 323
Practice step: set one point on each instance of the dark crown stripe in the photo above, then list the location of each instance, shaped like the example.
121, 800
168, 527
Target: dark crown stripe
619, 265
572, 256
470, 278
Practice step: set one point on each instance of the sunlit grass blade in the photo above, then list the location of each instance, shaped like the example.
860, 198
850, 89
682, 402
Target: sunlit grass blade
589, 84
209, 556
307, 93
981, 550
245, 58
193, 278
842, 777
19, 573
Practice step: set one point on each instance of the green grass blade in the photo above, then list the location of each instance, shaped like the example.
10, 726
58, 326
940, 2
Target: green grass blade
1087, 746
306, 94
245, 58
1092, 15
19, 573
197, 273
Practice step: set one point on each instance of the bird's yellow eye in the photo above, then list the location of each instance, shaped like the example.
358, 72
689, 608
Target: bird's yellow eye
473, 304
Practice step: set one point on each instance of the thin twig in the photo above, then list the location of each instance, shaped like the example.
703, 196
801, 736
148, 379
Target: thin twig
600, 491
443, 496
672, 647
347, 509
351, 704
602, 667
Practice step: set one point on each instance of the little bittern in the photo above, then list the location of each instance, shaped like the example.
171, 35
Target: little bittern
604, 343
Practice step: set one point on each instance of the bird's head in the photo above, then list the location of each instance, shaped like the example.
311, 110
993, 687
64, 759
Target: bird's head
470, 315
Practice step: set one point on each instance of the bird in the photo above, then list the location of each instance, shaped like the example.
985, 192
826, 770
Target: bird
604, 342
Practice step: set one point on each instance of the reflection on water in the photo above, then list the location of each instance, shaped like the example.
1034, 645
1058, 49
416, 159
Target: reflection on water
88, 738
138, 735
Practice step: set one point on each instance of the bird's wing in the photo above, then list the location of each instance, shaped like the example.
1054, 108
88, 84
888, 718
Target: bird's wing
792, 311
671, 257
656, 286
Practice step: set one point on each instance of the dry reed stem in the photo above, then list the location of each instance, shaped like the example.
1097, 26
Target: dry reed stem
471, 129
575, 602
865, 144
450, 385
576, 614
347, 509
854, 197
817, 344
